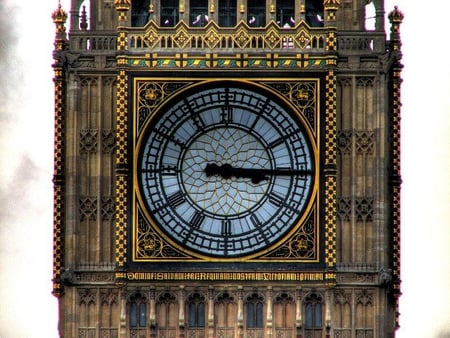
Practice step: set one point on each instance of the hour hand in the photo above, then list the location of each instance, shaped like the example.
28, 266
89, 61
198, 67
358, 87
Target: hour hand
256, 175
227, 171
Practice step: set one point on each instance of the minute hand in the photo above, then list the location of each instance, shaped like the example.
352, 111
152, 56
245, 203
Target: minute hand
256, 175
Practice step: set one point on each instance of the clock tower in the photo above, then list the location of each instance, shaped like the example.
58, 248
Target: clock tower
227, 168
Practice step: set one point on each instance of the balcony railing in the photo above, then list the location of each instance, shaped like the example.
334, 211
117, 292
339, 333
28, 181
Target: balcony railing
239, 39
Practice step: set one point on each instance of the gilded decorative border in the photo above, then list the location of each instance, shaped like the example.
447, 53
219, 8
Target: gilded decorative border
240, 60
59, 182
396, 18
303, 245
59, 17
121, 168
330, 154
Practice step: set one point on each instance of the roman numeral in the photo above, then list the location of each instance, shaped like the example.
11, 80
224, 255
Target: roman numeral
226, 227
176, 199
255, 221
227, 114
197, 220
276, 142
276, 200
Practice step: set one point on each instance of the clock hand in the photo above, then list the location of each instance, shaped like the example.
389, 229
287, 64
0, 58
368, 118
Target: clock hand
256, 175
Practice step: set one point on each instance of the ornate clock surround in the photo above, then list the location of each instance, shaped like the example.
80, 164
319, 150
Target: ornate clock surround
146, 248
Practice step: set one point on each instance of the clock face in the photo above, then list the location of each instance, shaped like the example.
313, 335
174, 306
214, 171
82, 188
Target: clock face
225, 171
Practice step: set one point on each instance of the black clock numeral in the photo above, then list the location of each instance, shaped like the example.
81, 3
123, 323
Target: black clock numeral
276, 199
197, 220
226, 115
226, 227
176, 199
168, 171
198, 122
255, 221
276, 142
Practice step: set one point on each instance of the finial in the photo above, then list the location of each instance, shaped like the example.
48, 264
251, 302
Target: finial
331, 4
396, 16
59, 16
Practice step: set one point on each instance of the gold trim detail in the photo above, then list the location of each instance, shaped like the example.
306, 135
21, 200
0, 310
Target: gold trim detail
59, 17
149, 244
235, 39
121, 163
396, 18
330, 155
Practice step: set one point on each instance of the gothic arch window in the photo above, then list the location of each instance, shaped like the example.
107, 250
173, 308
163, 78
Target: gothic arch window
256, 13
138, 311
169, 13
313, 315
198, 13
227, 13
196, 311
255, 311
284, 314
167, 314
314, 13
224, 315
139, 12
285, 13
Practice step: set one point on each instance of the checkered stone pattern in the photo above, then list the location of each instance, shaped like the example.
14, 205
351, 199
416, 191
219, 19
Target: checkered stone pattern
121, 220
331, 41
330, 162
58, 238
330, 119
330, 221
396, 173
58, 181
122, 40
122, 119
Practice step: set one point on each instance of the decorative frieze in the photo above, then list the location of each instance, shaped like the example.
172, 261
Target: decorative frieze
88, 208
362, 208
363, 141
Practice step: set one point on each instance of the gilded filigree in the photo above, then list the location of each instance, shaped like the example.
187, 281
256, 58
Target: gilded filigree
181, 38
151, 38
272, 38
303, 94
302, 245
212, 38
150, 245
303, 39
150, 94
242, 38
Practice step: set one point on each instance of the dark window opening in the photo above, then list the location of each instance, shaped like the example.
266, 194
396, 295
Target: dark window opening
286, 13
314, 13
198, 13
169, 13
138, 311
313, 312
196, 311
139, 12
256, 13
255, 312
227, 13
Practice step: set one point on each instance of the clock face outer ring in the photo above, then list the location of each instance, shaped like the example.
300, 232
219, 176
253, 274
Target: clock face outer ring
220, 217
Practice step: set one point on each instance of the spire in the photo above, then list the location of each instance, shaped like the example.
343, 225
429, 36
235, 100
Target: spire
59, 17
395, 16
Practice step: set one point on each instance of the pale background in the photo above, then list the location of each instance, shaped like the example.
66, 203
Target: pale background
27, 308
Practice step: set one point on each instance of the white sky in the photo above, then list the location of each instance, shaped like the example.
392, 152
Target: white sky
27, 308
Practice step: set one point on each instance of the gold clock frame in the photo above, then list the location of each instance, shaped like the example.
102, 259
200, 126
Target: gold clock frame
288, 89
